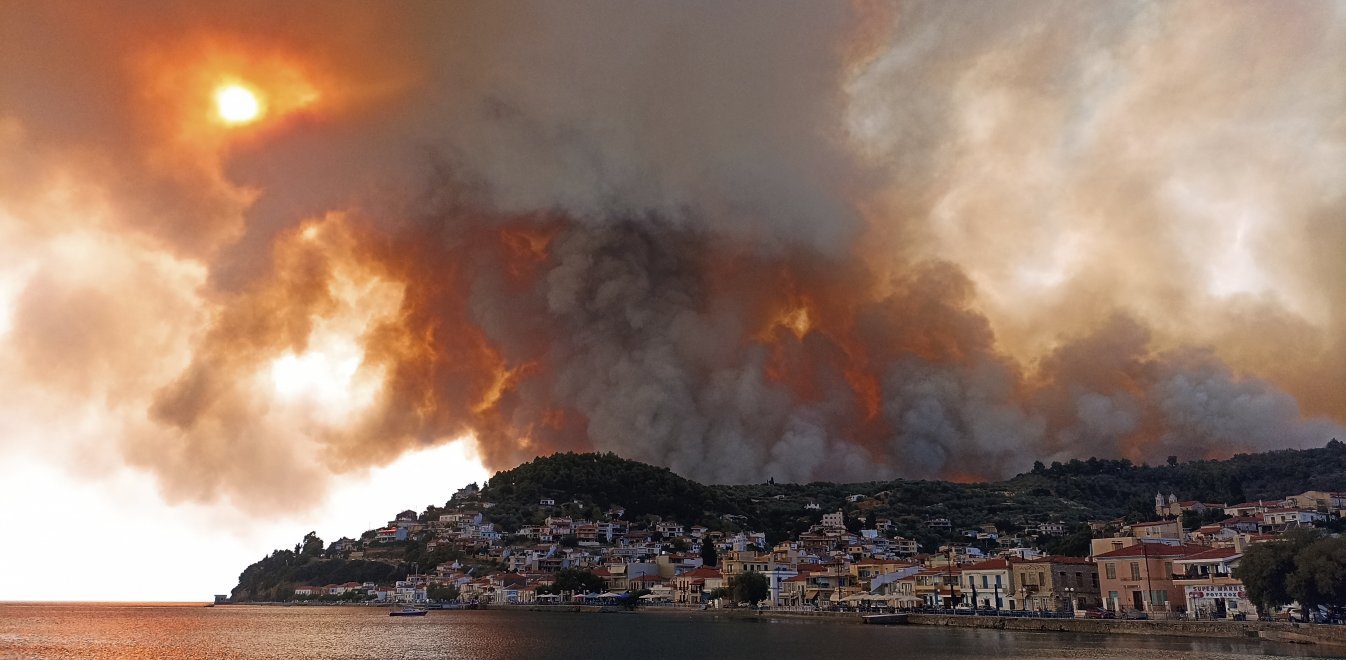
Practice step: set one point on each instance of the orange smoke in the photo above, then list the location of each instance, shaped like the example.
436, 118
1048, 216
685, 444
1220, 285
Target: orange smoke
880, 250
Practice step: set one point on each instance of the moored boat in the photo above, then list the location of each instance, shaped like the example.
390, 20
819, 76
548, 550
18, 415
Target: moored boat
408, 611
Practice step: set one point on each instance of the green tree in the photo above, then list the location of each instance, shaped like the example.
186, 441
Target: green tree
1262, 570
1319, 576
1074, 544
709, 556
852, 523
312, 545
443, 592
574, 581
632, 598
750, 587
1265, 568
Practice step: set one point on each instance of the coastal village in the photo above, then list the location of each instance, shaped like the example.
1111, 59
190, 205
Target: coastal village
1154, 569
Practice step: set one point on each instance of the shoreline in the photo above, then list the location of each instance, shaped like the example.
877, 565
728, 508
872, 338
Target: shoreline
1333, 636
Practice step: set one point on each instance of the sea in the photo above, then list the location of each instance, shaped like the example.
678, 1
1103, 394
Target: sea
98, 631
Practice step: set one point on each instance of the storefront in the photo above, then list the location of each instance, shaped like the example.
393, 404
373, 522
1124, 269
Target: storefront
1217, 601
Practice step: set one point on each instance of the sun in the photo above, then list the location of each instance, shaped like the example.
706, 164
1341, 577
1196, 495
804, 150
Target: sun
237, 104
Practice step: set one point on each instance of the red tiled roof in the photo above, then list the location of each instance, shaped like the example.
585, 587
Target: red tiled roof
703, 572
1213, 553
1152, 550
988, 565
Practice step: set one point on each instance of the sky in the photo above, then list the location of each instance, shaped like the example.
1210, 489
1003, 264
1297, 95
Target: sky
268, 268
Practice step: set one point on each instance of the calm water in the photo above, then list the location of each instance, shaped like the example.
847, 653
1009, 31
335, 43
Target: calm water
175, 632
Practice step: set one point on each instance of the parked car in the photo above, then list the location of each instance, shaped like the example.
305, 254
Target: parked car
1099, 613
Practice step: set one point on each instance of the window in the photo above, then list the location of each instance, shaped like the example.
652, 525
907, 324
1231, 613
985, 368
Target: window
985, 582
1042, 578
1111, 570
1168, 568
1079, 579
1135, 570
1094, 576
997, 580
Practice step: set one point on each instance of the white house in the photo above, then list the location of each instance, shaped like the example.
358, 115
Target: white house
1285, 518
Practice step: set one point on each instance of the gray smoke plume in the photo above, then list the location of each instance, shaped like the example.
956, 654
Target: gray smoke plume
807, 241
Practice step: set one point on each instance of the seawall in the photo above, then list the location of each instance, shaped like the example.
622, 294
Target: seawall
1271, 631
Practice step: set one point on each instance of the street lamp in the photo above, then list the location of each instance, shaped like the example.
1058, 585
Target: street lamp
948, 566
1070, 598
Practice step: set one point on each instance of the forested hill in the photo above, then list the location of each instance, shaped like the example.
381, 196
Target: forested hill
601, 481
1072, 492
1107, 486
591, 485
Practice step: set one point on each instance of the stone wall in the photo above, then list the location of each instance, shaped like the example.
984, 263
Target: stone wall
1267, 630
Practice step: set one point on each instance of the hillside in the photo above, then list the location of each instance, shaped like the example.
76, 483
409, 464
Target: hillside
1074, 492
588, 485
597, 482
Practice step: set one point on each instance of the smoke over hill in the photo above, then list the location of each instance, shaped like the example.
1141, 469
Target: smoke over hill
809, 242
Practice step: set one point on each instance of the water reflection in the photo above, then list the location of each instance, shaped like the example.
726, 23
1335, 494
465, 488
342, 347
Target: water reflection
178, 632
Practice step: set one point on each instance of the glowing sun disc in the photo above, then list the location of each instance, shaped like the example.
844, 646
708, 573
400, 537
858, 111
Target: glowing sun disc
236, 104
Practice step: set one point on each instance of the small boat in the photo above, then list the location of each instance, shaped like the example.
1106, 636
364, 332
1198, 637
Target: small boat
408, 611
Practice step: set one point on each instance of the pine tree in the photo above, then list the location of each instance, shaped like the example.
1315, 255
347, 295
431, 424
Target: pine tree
709, 557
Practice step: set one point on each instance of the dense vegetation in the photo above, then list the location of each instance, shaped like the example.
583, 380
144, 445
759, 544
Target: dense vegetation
586, 485
1304, 567
589, 485
575, 581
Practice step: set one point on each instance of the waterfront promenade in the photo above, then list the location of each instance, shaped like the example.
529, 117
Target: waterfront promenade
1272, 631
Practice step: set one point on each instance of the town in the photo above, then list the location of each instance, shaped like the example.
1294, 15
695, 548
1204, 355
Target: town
1183, 563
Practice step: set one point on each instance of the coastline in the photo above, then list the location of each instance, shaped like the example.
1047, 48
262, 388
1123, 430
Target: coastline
1268, 631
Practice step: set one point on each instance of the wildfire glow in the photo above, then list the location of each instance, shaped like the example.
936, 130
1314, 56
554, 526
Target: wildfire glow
237, 104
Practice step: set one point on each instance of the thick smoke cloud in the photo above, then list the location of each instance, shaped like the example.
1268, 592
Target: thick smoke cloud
810, 241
